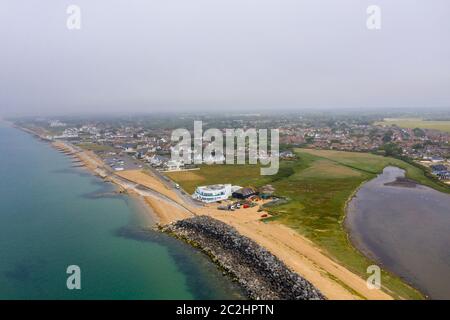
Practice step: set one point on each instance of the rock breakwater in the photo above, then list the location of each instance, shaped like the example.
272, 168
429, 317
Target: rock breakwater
260, 273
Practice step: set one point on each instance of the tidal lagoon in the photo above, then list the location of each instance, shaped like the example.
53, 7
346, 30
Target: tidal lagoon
53, 215
405, 227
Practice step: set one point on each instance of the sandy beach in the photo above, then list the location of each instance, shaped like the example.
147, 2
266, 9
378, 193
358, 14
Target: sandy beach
297, 252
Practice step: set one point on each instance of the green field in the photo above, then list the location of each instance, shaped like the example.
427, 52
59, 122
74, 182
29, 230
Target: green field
318, 186
417, 123
242, 175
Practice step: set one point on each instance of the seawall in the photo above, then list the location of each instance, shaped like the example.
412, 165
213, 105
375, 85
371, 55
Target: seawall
261, 274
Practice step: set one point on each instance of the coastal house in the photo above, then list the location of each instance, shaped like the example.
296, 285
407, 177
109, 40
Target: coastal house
287, 155
437, 159
244, 193
68, 134
266, 191
129, 147
438, 169
156, 160
444, 175
173, 165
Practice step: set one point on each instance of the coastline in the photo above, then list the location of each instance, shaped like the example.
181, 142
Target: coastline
89, 224
347, 202
262, 275
297, 252
95, 166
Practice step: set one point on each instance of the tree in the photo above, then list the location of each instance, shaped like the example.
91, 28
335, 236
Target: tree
388, 136
392, 150
419, 132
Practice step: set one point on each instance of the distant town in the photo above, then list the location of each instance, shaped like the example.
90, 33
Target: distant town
148, 139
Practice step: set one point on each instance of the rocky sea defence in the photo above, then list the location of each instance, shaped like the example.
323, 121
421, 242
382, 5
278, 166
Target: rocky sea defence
260, 273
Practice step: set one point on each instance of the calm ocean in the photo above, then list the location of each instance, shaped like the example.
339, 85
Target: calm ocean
53, 215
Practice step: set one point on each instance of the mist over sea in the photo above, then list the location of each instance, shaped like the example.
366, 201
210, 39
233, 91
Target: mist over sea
53, 215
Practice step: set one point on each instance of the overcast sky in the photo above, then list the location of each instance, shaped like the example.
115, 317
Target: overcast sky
181, 55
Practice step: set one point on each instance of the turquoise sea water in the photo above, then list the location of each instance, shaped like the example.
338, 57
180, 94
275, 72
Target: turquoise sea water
53, 215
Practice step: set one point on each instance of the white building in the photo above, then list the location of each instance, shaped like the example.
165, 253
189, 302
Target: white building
173, 165
213, 193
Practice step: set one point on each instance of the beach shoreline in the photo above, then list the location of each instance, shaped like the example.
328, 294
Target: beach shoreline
262, 275
166, 206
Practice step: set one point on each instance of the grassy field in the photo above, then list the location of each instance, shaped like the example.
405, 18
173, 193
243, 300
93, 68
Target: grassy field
318, 185
417, 123
242, 175
374, 164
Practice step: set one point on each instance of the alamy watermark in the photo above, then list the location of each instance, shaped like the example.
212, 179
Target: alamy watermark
74, 280
373, 21
208, 147
73, 21
374, 280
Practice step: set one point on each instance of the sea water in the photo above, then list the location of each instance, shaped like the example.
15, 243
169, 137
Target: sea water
53, 215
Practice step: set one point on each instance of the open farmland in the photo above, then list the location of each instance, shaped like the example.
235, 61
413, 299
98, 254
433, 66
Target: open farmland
417, 123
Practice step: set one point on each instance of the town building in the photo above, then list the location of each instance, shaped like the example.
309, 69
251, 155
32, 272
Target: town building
438, 169
244, 193
213, 193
